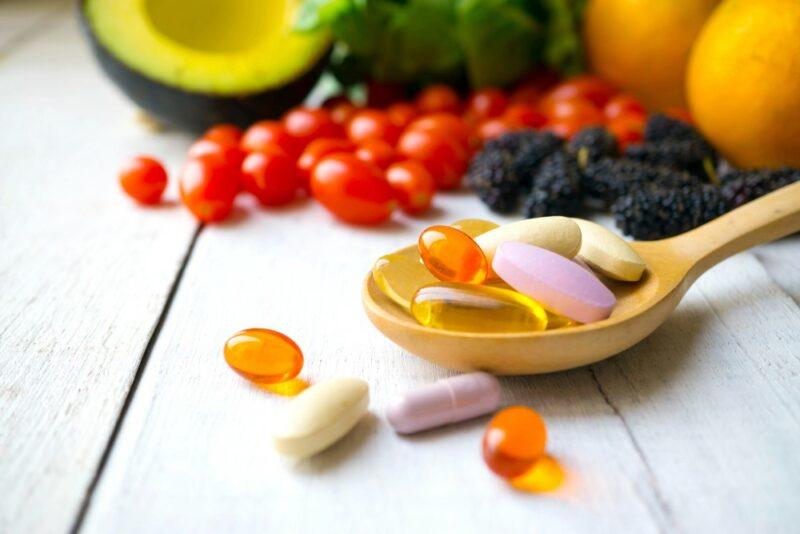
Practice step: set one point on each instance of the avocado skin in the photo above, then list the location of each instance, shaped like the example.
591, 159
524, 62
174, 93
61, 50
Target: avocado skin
196, 112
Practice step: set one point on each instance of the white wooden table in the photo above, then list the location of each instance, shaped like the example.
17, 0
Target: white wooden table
119, 414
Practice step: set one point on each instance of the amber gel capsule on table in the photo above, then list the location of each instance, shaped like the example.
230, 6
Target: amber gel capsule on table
264, 356
447, 401
514, 440
474, 308
452, 256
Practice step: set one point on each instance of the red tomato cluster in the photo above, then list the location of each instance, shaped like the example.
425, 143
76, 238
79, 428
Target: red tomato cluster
362, 162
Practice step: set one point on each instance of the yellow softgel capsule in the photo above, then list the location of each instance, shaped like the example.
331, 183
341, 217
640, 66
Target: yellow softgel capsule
474, 227
400, 275
474, 308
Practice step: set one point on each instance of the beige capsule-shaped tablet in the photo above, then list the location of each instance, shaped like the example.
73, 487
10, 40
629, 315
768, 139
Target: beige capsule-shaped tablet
609, 254
320, 416
556, 234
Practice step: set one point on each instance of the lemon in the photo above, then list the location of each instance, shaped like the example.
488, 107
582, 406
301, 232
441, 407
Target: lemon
743, 82
642, 46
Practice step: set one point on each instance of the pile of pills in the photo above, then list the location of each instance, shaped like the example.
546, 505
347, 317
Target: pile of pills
531, 275
322, 414
472, 276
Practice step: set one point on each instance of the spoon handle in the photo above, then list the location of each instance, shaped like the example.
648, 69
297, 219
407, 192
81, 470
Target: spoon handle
766, 219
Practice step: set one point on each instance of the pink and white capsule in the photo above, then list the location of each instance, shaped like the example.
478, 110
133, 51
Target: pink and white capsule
453, 399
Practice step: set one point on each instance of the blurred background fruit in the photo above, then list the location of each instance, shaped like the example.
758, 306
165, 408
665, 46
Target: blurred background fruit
744, 82
642, 46
196, 63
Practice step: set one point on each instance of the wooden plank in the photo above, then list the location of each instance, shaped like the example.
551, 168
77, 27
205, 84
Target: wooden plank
782, 261
712, 401
194, 454
24, 20
83, 274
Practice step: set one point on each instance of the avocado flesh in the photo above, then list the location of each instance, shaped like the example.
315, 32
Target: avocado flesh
198, 65
220, 47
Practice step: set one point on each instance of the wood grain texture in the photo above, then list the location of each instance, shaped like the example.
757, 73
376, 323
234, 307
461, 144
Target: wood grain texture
22, 21
83, 274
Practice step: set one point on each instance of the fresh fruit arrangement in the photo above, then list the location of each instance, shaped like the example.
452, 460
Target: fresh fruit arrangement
551, 147
360, 163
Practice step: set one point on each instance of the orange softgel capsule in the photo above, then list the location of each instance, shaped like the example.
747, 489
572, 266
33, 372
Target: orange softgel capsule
452, 256
263, 356
514, 440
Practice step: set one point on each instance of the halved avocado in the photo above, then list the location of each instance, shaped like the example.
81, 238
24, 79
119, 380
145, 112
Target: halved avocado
195, 63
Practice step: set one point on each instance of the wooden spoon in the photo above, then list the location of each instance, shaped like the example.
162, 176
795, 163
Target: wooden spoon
673, 266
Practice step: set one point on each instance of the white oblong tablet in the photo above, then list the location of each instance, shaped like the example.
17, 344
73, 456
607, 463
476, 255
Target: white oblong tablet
608, 253
320, 416
556, 234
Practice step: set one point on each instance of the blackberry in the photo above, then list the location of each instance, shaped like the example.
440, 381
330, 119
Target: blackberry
503, 170
740, 187
532, 149
691, 156
591, 144
653, 212
491, 176
556, 187
662, 128
606, 180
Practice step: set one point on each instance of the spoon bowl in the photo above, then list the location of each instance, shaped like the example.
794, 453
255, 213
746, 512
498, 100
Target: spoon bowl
673, 265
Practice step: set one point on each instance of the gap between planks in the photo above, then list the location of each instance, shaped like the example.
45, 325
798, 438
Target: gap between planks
151, 342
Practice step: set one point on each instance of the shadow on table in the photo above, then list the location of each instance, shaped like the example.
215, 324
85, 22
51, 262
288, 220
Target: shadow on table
342, 450
641, 374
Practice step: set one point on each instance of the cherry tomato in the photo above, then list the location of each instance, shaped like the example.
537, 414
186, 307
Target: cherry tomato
382, 94
342, 112
486, 103
438, 98
445, 158
372, 124
526, 94
628, 129
402, 113
623, 105
492, 128
681, 114
230, 153
143, 179
268, 133
270, 175
524, 116
567, 127
597, 91
542, 80
318, 149
413, 185
307, 124
576, 108
376, 151
444, 125
353, 190
208, 187
224, 134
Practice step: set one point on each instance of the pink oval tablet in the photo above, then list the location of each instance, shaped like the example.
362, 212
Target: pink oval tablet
453, 399
556, 282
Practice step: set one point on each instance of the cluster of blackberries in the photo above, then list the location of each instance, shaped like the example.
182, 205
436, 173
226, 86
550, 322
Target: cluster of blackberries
662, 187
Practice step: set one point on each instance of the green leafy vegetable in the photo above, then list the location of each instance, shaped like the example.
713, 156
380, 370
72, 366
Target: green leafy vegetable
485, 42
